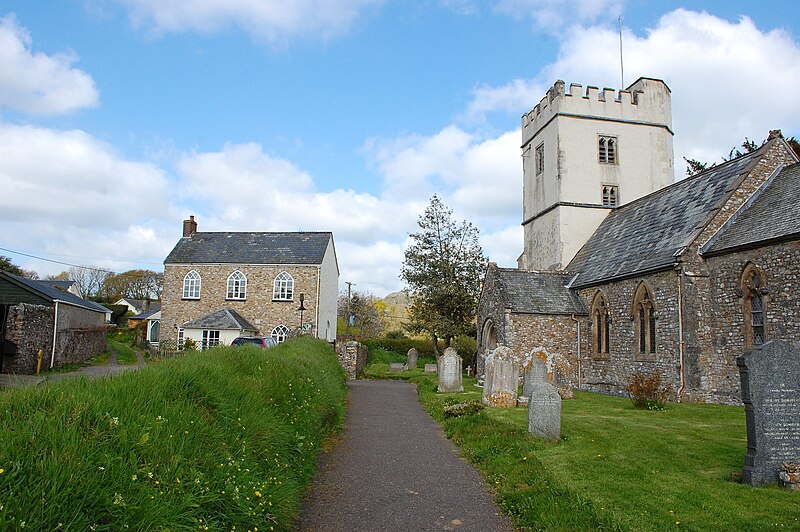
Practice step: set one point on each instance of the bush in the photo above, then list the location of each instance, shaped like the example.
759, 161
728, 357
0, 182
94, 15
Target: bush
647, 392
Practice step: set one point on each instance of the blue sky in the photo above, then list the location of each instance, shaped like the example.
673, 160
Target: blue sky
120, 118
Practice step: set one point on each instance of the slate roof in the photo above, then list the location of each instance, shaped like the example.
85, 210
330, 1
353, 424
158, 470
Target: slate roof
224, 318
138, 304
251, 248
148, 314
773, 214
647, 234
531, 292
51, 291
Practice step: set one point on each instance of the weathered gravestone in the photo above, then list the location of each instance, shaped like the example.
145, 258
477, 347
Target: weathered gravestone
544, 404
431, 368
396, 366
450, 371
412, 358
502, 378
771, 394
534, 370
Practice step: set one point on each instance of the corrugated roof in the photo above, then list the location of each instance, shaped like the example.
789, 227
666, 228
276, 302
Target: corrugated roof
222, 319
773, 214
646, 234
251, 248
533, 292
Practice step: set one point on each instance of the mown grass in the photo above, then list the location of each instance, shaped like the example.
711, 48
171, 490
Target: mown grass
217, 440
617, 468
379, 360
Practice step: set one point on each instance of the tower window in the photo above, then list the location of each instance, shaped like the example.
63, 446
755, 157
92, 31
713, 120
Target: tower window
610, 195
607, 150
540, 159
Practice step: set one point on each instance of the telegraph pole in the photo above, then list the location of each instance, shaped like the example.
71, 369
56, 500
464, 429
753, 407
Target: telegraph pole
349, 285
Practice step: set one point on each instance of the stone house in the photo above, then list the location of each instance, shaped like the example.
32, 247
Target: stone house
40, 315
254, 283
681, 280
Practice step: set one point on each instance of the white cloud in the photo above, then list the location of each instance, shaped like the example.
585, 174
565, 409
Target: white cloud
272, 21
552, 15
36, 83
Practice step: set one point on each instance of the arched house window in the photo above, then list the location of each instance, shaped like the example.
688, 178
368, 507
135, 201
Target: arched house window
280, 333
237, 286
283, 287
191, 285
754, 306
644, 317
601, 322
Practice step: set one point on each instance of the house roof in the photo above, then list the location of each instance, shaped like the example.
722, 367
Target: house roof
138, 304
61, 285
52, 292
251, 248
648, 234
224, 318
148, 314
773, 214
534, 292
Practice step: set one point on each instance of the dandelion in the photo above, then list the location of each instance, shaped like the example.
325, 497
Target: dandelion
2, 470
257, 494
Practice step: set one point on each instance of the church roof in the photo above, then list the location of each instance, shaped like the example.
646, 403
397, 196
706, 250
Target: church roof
647, 234
533, 292
251, 248
772, 215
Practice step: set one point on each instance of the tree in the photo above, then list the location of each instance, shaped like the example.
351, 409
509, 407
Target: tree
136, 284
693, 166
443, 269
7, 266
364, 310
87, 280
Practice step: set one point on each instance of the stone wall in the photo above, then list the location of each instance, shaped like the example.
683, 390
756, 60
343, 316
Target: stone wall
352, 357
259, 308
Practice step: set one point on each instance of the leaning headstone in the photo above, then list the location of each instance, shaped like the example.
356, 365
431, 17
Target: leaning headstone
502, 378
396, 366
430, 368
771, 394
412, 358
544, 404
450, 372
533, 372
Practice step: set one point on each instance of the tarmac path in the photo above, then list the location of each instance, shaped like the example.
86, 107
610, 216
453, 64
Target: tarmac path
395, 470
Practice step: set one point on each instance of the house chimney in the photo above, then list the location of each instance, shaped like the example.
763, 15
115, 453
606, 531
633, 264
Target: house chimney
146, 304
189, 227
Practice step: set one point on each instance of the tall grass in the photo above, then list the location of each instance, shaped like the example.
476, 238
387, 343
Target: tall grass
223, 439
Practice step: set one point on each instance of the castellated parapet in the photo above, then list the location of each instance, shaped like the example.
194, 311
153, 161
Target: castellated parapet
647, 101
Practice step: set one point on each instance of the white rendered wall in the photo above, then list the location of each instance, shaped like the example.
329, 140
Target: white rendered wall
328, 293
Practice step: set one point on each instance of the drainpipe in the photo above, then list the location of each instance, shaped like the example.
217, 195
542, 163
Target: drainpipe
680, 334
316, 305
55, 333
578, 324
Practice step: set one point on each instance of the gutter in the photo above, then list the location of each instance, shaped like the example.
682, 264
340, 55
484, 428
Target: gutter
681, 346
316, 305
578, 324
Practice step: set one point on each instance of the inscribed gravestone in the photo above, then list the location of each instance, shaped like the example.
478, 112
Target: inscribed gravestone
412, 358
770, 377
544, 404
502, 378
450, 372
534, 371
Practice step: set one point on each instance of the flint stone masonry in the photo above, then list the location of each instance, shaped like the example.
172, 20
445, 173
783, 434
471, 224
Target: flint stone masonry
450, 372
502, 379
431, 368
544, 405
352, 356
412, 358
770, 378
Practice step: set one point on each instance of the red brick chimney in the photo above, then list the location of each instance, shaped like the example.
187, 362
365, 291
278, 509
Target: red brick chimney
189, 227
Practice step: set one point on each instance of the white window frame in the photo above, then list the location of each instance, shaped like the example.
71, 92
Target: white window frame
280, 333
180, 339
283, 287
191, 285
150, 331
237, 286
210, 338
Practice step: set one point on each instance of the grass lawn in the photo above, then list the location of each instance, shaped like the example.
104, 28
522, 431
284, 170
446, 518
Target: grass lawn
126, 355
616, 468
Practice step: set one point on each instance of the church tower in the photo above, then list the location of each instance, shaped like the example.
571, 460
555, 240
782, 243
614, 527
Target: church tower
584, 154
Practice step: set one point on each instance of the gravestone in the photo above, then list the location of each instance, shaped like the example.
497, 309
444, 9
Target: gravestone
396, 366
770, 377
450, 372
431, 368
544, 404
502, 378
412, 358
533, 372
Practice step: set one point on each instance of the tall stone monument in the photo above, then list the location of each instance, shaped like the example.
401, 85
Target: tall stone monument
502, 378
544, 405
412, 358
771, 394
450, 372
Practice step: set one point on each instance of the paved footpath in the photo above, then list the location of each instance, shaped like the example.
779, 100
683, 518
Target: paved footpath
395, 470
110, 368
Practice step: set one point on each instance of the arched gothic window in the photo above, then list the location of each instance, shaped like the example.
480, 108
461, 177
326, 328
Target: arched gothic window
191, 285
644, 315
754, 308
283, 288
237, 286
280, 333
601, 320
489, 337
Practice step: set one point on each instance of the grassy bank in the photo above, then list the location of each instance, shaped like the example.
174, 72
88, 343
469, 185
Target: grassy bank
216, 440
617, 468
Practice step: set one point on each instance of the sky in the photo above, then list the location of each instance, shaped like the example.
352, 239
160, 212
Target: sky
120, 118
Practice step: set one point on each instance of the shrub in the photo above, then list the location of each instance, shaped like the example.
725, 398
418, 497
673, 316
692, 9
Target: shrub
647, 392
189, 345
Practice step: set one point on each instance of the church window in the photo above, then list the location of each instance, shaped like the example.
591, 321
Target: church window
754, 295
610, 195
540, 159
283, 287
237, 286
607, 149
601, 320
645, 323
191, 285
280, 333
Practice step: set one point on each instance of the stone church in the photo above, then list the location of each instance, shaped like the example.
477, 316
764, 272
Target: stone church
625, 271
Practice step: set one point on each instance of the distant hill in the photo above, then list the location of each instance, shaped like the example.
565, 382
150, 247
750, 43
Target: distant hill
396, 312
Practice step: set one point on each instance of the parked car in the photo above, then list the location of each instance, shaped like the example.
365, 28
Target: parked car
261, 341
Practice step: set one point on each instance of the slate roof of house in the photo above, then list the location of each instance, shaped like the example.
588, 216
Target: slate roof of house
50, 291
532, 292
251, 248
61, 285
222, 319
647, 234
773, 214
148, 314
138, 304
